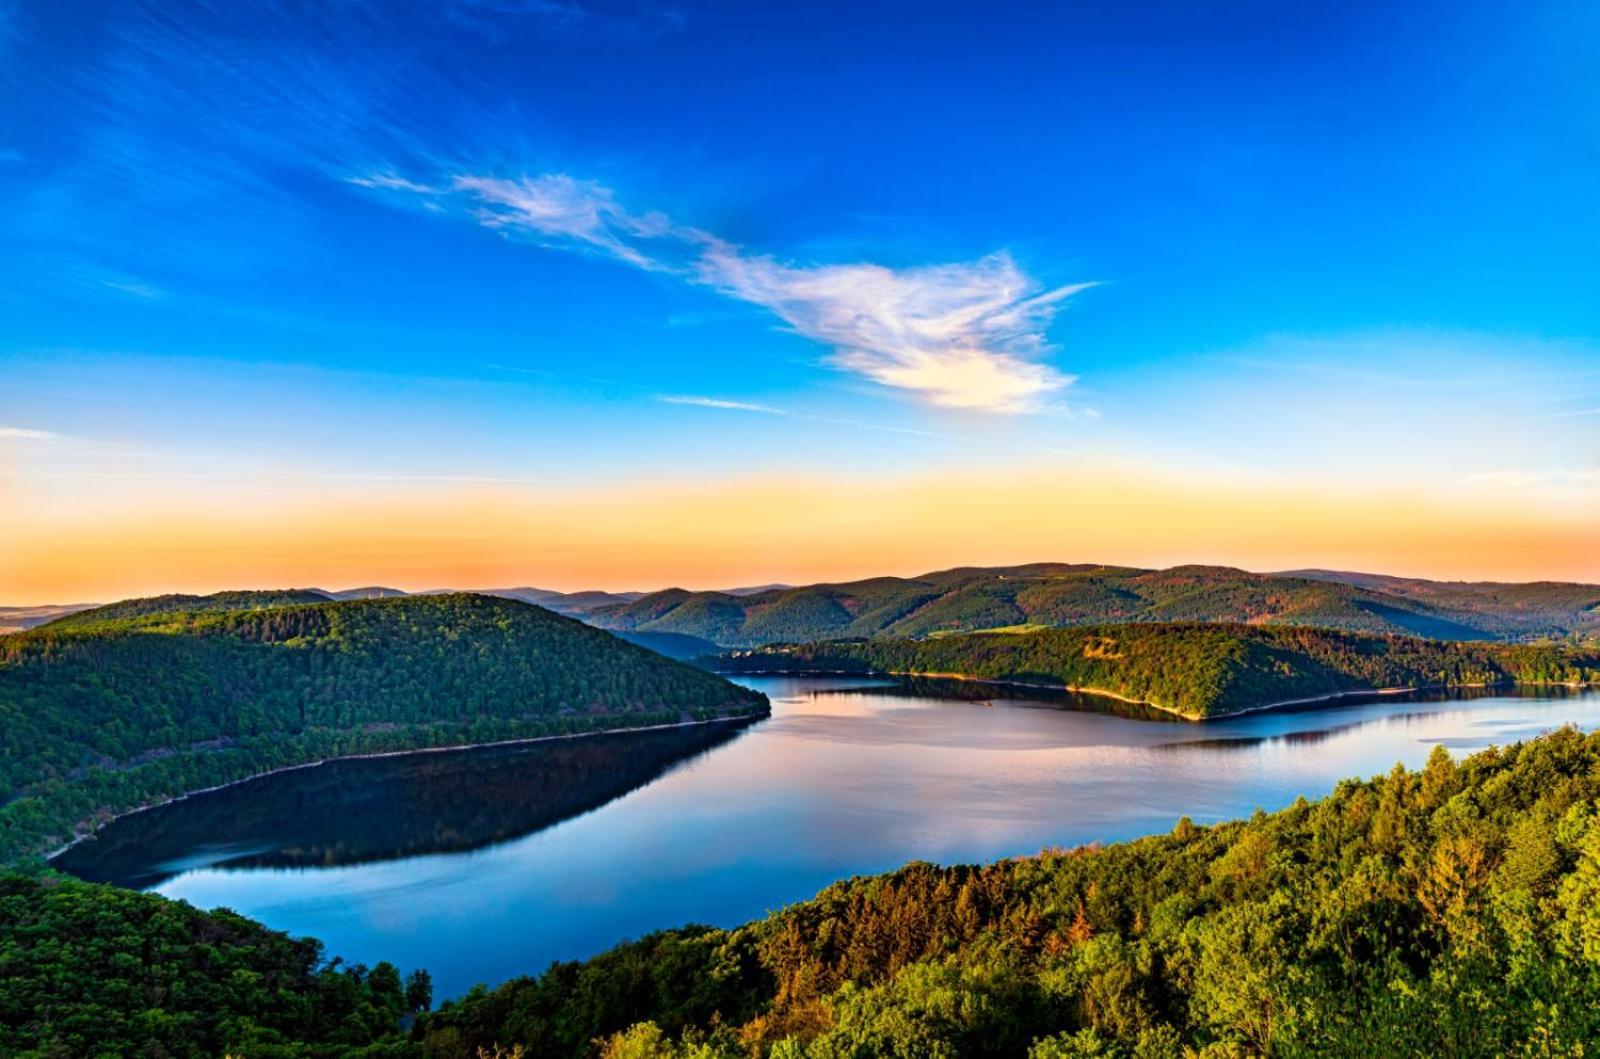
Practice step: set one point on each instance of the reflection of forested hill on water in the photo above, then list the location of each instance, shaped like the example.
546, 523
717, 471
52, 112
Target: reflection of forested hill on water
366, 809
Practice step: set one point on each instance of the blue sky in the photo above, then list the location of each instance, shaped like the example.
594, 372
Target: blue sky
559, 244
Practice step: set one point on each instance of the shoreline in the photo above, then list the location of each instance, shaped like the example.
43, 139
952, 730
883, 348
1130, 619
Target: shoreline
1331, 696
523, 741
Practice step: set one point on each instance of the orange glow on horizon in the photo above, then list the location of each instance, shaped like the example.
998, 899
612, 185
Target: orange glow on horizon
127, 540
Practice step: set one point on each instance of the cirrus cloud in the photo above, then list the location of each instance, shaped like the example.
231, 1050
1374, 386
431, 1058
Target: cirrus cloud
694, 401
968, 335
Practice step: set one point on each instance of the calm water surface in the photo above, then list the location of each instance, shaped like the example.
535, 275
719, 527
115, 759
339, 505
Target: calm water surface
481, 865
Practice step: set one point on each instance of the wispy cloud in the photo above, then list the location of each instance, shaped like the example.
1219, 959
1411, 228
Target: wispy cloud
348, 93
560, 207
388, 182
721, 404
25, 434
717, 402
137, 288
966, 335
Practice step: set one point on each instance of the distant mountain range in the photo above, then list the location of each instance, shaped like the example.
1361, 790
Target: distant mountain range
1054, 594
15, 619
681, 623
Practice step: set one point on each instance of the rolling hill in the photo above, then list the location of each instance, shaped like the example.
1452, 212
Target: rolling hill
569, 603
1194, 670
972, 598
250, 599
134, 704
1506, 609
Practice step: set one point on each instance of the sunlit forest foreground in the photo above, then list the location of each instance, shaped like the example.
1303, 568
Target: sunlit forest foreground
1451, 911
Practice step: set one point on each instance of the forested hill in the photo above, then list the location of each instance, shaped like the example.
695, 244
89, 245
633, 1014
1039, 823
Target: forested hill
1196, 670
255, 599
1451, 911
1496, 605
1057, 594
110, 715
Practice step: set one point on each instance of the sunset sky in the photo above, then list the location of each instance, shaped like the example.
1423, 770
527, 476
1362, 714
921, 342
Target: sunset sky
527, 292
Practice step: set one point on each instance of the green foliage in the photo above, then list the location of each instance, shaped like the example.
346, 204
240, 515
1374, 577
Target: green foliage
966, 600
419, 990
104, 716
678, 979
97, 971
1195, 670
254, 599
1450, 911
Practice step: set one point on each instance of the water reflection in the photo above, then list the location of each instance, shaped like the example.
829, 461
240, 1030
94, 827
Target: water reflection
841, 780
381, 808
989, 693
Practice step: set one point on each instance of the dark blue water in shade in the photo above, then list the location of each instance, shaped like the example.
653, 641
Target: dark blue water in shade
457, 862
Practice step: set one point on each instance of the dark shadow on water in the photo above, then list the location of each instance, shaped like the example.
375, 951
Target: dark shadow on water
360, 810
1307, 738
1011, 695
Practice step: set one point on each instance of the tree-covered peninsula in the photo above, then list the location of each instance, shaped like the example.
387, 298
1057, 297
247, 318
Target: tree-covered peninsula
1194, 670
99, 715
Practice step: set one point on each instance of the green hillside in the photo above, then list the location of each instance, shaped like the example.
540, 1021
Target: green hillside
1196, 670
103, 716
1504, 608
971, 599
1451, 911
255, 599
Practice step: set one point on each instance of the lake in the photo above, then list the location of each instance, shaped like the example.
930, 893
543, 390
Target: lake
484, 864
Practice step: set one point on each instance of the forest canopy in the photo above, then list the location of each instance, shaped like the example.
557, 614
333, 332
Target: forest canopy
101, 716
1196, 670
